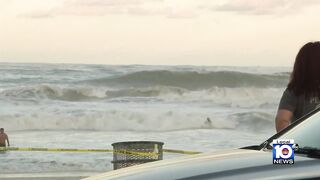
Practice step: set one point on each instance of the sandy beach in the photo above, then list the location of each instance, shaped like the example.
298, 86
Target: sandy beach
46, 176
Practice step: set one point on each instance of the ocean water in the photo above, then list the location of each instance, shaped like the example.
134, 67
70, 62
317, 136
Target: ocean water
93, 106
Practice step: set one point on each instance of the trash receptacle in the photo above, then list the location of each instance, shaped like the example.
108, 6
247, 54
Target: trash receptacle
132, 153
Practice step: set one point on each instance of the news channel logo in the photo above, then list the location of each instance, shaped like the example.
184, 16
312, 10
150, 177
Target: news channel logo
283, 151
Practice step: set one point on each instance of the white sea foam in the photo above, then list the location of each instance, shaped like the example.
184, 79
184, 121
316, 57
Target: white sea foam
136, 118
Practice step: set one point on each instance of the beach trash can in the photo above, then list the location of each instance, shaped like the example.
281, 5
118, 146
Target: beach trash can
132, 153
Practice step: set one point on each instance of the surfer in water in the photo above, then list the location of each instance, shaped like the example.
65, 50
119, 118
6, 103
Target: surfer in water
3, 138
208, 123
303, 91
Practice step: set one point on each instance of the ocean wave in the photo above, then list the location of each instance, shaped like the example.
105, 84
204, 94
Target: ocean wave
254, 121
49, 91
223, 96
82, 93
193, 80
135, 120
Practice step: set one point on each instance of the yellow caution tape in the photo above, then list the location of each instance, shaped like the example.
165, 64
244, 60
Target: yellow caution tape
154, 154
53, 149
180, 151
78, 150
147, 154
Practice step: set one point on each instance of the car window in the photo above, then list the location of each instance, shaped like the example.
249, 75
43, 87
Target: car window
307, 133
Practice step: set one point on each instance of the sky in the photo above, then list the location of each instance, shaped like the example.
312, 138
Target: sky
157, 32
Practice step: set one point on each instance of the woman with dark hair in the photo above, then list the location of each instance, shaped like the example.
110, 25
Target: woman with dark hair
303, 91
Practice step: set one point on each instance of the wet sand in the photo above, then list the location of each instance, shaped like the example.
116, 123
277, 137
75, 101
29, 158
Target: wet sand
46, 176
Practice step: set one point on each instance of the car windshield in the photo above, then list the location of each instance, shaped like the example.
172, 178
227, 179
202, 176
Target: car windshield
306, 134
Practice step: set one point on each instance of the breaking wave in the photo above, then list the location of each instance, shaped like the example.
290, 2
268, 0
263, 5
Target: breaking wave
157, 100
254, 121
228, 97
47, 91
129, 120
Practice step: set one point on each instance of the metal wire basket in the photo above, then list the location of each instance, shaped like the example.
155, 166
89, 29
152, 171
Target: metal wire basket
132, 153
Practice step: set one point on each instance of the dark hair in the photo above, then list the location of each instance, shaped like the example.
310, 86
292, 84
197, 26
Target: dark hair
1, 129
305, 78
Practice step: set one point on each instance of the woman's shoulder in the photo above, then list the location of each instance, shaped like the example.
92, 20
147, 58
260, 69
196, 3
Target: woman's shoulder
289, 92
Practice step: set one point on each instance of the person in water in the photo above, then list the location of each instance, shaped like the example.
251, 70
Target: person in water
208, 123
303, 90
3, 138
